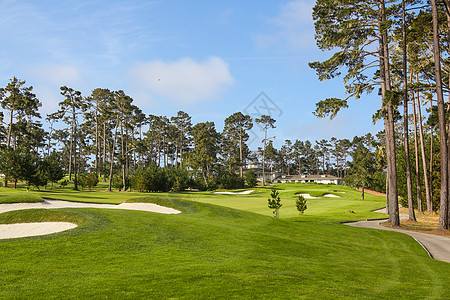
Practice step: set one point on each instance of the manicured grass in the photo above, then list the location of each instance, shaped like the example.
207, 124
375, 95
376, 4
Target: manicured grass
212, 251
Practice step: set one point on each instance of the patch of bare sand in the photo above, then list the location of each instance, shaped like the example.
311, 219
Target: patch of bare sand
235, 193
18, 230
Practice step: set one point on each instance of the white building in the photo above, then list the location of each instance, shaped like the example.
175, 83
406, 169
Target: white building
324, 179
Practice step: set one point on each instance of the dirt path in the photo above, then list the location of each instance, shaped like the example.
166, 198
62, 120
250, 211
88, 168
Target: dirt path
373, 192
438, 247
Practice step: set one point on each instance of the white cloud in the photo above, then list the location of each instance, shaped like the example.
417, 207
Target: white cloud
50, 98
293, 27
184, 81
56, 74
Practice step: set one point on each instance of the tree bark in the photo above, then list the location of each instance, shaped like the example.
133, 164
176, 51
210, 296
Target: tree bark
123, 159
443, 217
424, 160
416, 150
264, 158
75, 179
70, 154
111, 164
241, 168
389, 124
104, 152
411, 214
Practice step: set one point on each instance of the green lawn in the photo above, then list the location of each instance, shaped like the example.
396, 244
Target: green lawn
212, 251
18, 196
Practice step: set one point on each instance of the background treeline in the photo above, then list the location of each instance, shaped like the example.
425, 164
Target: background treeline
107, 135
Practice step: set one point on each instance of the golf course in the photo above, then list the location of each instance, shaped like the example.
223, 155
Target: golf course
219, 246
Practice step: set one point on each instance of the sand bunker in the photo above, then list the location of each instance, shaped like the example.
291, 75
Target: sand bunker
11, 231
308, 196
331, 196
8, 231
51, 204
235, 193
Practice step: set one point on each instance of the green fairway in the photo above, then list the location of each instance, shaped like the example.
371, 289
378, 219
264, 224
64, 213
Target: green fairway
212, 251
349, 199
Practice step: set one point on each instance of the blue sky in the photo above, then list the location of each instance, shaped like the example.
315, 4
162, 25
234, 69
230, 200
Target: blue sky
208, 58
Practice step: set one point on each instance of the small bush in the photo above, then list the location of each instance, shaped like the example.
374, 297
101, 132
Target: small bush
300, 203
274, 202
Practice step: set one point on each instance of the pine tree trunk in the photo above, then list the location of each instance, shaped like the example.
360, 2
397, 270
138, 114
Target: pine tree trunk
411, 214
443, 217
431, 158
241, 167
416, 150
96, 162
123, 159
104, 152
447, 5
389, 125
424, 160
264, 158
75, 167
111, 164
70, 155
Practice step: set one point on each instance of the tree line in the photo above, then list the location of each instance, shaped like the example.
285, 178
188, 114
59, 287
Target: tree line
107, 135
400, 49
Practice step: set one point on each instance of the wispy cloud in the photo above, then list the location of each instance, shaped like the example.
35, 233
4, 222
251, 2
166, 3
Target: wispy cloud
56, 74
100, 30
184, 81
292, 28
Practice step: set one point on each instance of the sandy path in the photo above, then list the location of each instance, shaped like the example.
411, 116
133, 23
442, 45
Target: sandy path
8, 231
438, 247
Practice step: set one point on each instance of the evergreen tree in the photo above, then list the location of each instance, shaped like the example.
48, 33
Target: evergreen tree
266, 122
235, 130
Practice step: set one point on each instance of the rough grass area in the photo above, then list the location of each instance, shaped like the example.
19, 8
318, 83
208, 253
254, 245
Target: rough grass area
426, 222
19, 197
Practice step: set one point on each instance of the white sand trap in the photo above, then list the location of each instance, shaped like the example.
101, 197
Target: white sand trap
235, 193
306, 196
53, 204
331, 196
12, 231
8, 231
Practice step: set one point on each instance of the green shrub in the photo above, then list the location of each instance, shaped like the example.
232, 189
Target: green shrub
274, 202
250, 178
229, 180
300, 203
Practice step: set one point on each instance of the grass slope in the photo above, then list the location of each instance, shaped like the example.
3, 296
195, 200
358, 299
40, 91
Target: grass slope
18, 196
212, 251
